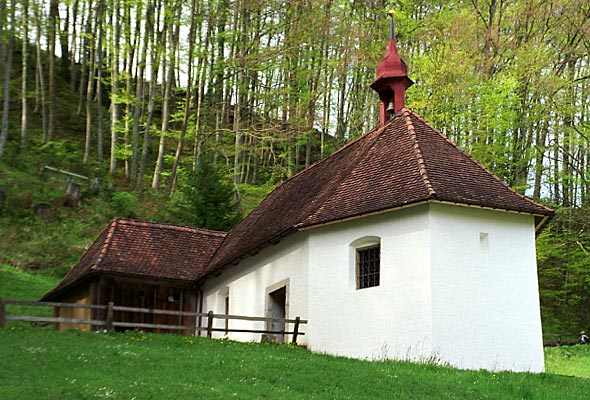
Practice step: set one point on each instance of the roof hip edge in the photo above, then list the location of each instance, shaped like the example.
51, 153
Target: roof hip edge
469, 156
418, 152
107, 242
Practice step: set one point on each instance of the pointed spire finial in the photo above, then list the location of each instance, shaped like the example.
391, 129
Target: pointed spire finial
392, 79
391, 13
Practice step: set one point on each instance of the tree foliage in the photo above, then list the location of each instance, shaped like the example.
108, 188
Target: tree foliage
564, 264
204, 198
269, 87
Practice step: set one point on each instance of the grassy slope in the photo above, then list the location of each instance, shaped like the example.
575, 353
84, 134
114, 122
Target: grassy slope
54, 245
15, 285
568, 360
43, 364
46, 364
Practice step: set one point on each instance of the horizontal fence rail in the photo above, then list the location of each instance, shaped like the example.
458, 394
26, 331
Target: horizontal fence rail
109, 322
560, 339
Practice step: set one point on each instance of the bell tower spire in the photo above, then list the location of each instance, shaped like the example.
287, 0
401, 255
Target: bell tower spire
392, 79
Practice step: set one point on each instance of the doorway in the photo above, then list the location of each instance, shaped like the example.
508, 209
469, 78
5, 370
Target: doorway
277, 308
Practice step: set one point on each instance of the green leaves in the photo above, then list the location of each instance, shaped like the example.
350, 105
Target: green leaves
204, 198
564, 271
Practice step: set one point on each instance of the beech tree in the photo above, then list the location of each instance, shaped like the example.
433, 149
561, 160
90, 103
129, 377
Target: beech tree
7, 73
269, 88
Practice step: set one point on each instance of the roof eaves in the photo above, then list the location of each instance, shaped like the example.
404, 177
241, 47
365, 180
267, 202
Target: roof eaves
427, 200
234, 261
416, 202
58, 290
146, 277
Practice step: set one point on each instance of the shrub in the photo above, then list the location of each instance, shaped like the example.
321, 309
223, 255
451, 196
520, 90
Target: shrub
124, 205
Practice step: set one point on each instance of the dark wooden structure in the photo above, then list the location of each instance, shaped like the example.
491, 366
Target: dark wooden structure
138, 265
132, 293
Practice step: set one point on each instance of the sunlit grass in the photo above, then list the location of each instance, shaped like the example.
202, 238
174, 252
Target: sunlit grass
568, 360
17, 285
44, 364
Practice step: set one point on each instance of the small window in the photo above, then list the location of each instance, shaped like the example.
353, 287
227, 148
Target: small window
484, 242
173, 297
368, 267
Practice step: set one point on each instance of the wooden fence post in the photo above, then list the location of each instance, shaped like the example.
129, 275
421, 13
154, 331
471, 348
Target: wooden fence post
210, 324
2, 312
296, 330
109, 320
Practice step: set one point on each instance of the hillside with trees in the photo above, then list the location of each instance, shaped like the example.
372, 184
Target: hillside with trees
137, 94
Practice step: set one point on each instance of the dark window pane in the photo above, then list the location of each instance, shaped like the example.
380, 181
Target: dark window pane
368, 267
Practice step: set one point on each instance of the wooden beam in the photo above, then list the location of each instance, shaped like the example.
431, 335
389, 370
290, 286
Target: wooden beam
2, 312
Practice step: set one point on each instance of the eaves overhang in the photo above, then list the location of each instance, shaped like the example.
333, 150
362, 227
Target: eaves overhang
540, 219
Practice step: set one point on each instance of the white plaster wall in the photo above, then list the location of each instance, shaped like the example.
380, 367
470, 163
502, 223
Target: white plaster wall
484, 289
458, 285
248, 283
392, 320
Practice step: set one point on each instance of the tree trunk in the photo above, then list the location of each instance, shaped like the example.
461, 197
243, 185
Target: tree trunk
40, 77
139, 85
174, 31
53, 24
158, 41
99, 60
89, 92
86, 48
187, 100
136, 73
7, 72
73, 46
116, 42
25, 74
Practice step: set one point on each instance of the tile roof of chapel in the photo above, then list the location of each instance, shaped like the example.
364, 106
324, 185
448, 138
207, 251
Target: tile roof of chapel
146, 250
404, 162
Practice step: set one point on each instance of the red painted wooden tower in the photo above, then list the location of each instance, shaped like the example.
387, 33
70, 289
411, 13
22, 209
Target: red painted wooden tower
392, 79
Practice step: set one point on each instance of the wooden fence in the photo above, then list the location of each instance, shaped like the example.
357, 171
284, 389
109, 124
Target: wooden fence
560, 339
109, 322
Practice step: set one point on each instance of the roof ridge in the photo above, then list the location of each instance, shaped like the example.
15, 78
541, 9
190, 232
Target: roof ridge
487, 171
418, 151
164, 225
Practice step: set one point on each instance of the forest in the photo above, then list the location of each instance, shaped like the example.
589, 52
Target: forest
142, 92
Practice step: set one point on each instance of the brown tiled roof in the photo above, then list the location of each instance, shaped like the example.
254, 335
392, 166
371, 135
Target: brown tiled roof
146, 250
404, 162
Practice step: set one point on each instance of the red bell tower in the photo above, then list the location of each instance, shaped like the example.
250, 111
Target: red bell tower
392, 79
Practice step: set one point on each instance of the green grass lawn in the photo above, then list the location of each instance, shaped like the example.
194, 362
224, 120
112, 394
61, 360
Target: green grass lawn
16, 285
39, 363
569, 360
44, 364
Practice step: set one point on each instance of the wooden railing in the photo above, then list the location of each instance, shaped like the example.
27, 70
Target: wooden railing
109, 322
560, 339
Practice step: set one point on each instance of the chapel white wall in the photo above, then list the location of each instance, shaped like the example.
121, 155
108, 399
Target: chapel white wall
392, 320
247, 284
485, 298
458, 285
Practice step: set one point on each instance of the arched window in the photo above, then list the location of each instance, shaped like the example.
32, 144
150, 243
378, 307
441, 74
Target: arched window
367, 261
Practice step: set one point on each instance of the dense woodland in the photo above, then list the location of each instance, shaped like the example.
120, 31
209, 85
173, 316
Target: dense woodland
143, 91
